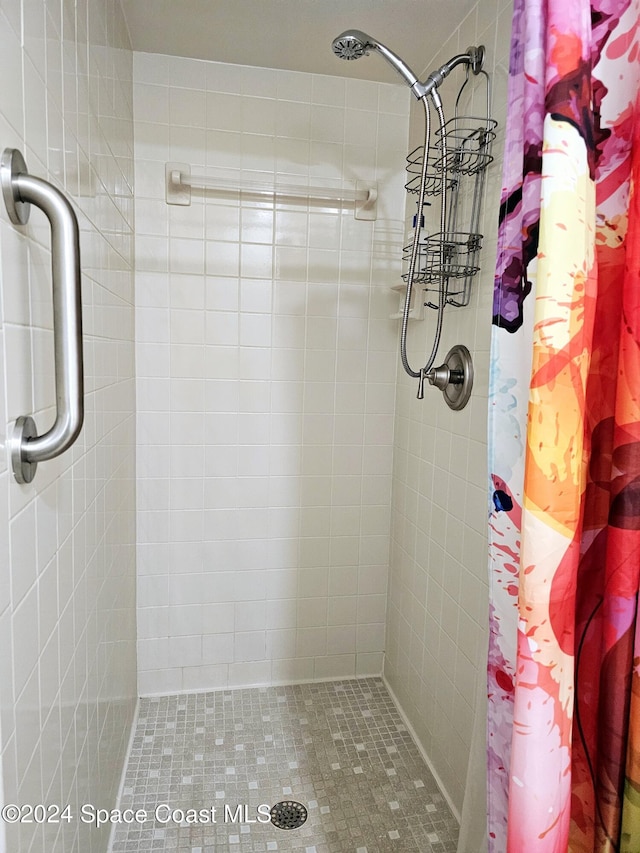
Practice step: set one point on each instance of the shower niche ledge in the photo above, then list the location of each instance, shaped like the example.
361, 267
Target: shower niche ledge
416, 311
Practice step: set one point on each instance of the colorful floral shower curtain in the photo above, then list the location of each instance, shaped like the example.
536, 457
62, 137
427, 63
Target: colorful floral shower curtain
564, 659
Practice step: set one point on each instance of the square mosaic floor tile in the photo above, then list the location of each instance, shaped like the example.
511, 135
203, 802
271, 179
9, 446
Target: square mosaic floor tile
207, 768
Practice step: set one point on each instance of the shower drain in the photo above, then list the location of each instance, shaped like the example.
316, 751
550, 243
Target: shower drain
288, 814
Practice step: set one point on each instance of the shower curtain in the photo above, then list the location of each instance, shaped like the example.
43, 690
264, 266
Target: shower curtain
564, 655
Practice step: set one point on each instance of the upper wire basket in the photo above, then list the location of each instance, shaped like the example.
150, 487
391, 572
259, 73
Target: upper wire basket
463, 149
465, 145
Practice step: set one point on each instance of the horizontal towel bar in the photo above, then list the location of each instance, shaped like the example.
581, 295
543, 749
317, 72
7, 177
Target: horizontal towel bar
179, 182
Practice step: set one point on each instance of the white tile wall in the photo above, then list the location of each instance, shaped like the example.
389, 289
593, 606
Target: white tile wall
67, 556
266, 376
438, 592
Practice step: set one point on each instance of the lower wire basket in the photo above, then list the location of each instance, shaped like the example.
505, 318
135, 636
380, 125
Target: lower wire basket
447, 256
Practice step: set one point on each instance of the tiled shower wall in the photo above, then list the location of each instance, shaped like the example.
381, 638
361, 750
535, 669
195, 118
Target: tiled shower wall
438, 594
67, 553
266, 376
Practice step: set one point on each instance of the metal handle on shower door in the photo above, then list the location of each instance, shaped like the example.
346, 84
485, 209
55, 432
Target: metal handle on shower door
20, 190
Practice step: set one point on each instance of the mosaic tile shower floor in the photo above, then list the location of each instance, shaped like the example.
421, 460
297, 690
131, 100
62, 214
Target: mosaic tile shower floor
339, 748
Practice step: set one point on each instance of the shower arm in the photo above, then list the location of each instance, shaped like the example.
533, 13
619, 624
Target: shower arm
473, 57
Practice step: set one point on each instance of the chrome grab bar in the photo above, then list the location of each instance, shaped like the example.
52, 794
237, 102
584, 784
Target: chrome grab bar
20, 190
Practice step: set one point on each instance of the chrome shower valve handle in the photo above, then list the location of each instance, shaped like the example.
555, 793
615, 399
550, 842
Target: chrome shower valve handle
454, 378
443, 375
421, 378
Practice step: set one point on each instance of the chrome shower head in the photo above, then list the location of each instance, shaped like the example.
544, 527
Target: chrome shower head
352, 44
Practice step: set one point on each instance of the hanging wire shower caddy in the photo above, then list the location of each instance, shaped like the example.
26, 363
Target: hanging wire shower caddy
448, 261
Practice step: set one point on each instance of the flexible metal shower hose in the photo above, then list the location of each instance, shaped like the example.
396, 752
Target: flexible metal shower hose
414, 249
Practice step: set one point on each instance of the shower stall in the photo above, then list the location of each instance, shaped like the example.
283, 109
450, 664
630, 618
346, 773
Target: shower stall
260, 531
